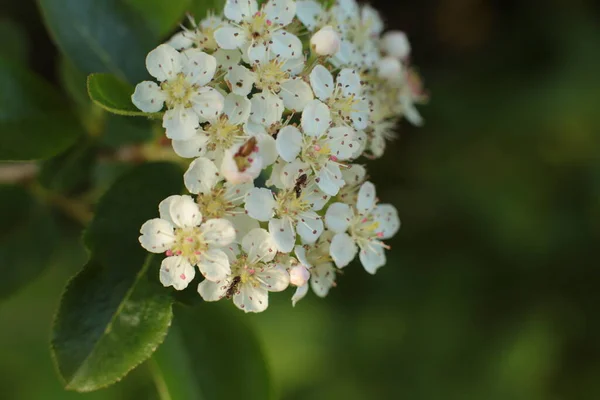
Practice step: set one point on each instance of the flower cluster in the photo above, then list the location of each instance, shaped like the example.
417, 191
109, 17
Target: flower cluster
295, 92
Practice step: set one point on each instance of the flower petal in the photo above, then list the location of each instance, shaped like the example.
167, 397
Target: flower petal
366, 197
321, 81
214, 265
308, 12
342, 143
180, 123
343, 249
213, 291
230, 37
237, 108
260, 204
280, 12
299, 294
338, 216
289, 143
241, 80
201, 176
239, 10
251, 299
349, 81
300, 252
164, 62
227, 58
148, 97
316, 118
330, 178
199, 67
314, 196
176, 271
259, 245
296, 94
267, 108
208, 103
218, 232
184, 212
267, 149
274, 279
387, 217
322, 278
310, 226
157, 235
292, 171
191, 148
242, 223
283, 234
285, 44
373, 257
180, 41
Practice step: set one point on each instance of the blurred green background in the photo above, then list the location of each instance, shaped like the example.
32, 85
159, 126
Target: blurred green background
490, 291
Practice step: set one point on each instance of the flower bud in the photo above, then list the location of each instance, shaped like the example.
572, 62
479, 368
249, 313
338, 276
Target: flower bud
395, 44
326, 41
389, 68
299, 275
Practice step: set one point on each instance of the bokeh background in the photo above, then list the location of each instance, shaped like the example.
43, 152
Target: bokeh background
491, 287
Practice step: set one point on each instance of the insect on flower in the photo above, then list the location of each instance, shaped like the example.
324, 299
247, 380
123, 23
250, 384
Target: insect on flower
300, 183
233, 287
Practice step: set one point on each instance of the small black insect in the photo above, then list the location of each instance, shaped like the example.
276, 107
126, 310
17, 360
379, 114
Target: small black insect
233, 287
300, 183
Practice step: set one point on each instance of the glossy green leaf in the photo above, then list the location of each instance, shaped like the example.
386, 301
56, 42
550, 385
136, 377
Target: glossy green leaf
112, 317
211, 353
27, 240
71, 171
107, 35
34, 120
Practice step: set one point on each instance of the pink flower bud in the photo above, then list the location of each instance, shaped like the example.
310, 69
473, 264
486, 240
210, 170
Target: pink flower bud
299, 275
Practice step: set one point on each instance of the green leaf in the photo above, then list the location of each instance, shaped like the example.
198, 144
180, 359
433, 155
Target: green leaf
211, 354
107, 35
13, 41
71, 171
114, 95
34, 120
200, 8
27, 239
162, 16
112, 317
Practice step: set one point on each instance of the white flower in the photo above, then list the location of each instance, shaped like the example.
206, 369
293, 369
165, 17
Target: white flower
362, 227
396, 44
187, 241
200, 35
320, 150
326, 41
411, 94
343, 99
276, 76
253, 275
390, 68
258, 31
183, 89
288, 212
218, 198
316, 260
243, 163
354, 176
221, 132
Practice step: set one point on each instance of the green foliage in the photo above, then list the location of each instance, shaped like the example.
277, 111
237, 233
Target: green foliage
111, 316
13, 41
27, 239
34, 123
221, 355
114, 95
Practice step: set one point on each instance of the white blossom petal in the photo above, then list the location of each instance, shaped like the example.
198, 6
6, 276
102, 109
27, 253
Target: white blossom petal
308, 12
180, 41
322, 278
300, 252
267, 108
289, 143
259, 245
201, 176
342, 249
309, 226
314, 196
230, 37
214, 265
274, 279
283, 233
299, 294
321, 81
191, 148
237, 108
280, 12
267, 149
258, 53
242, 223
372, 258
199, 67
330, 179
180, 123
240, 10
341, 142
386, 216
292, 171
227, 58
157, 235
208, 103
213, 291
176, 271
218, 232
366, 197
184, 212
164, 62
349, 81
285, 44
316, 118
338, 216
164, 209
260, 204
354, 174
250, 298
241, 80
295, 94
148, 97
